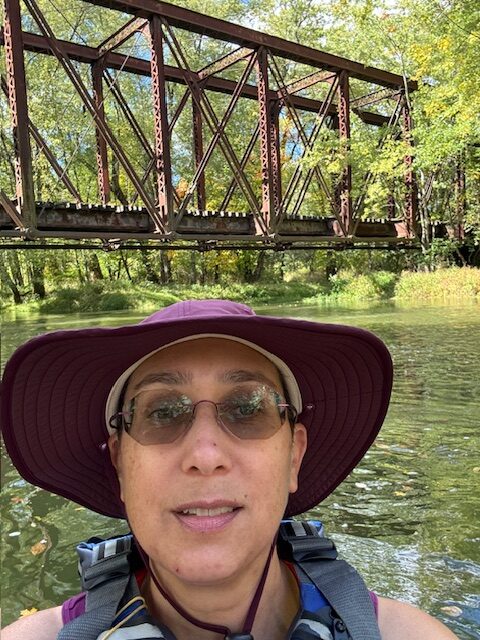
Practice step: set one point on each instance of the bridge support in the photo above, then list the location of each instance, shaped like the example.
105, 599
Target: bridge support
269, 143
163, 164
17, 95
102, 154
411, 191
345, 181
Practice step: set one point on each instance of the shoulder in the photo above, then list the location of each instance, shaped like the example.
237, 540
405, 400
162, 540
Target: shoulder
401, 621
43, 625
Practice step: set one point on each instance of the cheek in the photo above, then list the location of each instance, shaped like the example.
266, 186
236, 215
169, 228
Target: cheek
140, 476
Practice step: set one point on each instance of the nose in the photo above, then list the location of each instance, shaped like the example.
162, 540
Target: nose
206, 446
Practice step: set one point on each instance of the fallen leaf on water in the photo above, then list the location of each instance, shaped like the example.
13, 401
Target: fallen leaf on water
476, 469
17, 500
39, 547
28, 612
79, 509
399, 493
452, 611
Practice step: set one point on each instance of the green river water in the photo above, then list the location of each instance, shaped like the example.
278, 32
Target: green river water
407, 517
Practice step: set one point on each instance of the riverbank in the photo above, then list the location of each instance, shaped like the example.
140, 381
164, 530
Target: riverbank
344, 287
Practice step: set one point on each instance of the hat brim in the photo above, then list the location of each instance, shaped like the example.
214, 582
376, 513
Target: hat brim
55, 387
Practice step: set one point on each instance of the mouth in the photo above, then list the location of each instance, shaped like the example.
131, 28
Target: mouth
205, 518
201, 512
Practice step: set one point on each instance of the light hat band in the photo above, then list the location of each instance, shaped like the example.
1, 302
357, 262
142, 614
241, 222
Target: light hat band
286, 375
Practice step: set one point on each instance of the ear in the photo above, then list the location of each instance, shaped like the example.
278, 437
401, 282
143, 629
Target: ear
115, 458
299, 446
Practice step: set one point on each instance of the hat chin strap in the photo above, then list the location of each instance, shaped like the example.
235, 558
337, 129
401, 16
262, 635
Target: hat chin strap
224, 631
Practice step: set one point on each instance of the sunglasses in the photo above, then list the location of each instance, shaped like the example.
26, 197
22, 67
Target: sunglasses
161, 416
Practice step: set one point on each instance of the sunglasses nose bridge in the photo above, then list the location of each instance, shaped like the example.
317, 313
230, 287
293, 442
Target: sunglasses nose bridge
215, 407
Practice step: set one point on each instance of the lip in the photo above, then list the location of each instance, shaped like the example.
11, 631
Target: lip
207, 523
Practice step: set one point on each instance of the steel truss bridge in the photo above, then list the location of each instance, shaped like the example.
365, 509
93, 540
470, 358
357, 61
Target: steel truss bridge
269, 179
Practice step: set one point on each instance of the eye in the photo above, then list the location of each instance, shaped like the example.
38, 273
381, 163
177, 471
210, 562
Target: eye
244, 405
163, 411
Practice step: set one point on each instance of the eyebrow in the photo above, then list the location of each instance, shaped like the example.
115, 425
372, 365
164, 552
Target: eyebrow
180, 377
244, 375
165, 377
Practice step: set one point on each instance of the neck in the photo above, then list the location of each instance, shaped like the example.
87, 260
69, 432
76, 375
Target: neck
228, 603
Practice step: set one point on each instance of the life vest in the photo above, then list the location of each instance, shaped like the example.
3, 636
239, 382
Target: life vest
336, 604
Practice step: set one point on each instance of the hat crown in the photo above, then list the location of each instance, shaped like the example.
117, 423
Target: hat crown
190, 309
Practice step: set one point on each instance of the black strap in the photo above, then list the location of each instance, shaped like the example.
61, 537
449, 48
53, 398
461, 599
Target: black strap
315, 556
347, 593
105, 590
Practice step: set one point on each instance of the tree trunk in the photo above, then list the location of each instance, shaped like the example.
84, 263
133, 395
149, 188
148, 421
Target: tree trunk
152, 275
38, 279
6, 279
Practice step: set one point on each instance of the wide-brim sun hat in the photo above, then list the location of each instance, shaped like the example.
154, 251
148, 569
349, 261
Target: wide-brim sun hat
55, 389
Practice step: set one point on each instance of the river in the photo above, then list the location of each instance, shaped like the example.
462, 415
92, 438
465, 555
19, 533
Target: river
407, 517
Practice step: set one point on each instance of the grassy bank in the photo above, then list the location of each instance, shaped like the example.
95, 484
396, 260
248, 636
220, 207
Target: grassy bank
344, 287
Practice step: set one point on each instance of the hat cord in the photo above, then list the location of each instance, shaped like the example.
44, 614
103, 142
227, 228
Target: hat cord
220, 629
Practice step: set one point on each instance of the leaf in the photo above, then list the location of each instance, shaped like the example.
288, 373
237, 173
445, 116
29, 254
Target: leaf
38, 547
28, 612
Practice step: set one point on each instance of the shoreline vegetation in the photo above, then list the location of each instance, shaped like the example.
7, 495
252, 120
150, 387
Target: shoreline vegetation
343, 288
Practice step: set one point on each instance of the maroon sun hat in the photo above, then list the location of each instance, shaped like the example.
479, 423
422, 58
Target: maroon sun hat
55, 388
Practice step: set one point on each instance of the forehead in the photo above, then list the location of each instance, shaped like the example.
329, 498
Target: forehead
207, 357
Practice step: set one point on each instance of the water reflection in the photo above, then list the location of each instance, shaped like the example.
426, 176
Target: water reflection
407, 517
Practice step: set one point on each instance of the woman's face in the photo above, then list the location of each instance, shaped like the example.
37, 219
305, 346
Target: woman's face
207, 505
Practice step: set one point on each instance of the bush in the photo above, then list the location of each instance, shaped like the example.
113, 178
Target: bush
89, 297
351, 286
454, 283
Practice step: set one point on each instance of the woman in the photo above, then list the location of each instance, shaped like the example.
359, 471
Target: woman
217, 424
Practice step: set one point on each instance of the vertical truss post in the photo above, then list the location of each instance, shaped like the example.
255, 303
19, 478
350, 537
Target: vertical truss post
198, 150
163, 164
411, 193
102, 153
269, 148
345, 179
17, 93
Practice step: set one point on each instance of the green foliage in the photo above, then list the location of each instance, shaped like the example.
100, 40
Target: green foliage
351, 286
443, 284
89, 297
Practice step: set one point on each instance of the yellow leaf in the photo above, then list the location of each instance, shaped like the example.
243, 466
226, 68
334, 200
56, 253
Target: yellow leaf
38, 548
28, 612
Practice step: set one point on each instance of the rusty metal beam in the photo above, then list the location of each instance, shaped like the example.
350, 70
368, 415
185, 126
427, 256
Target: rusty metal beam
197, 126
309, 81
163, 164
224, 62
374, 97
130, 64
268, 147
121, 35
344, 190
411, 193
227, 31
11, 211
17, 95
102, 152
